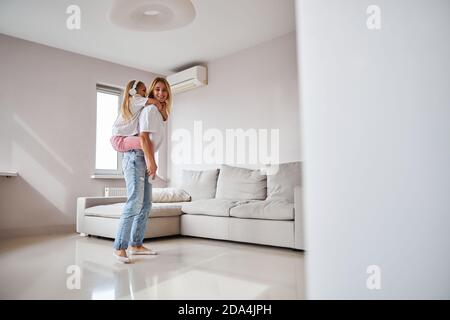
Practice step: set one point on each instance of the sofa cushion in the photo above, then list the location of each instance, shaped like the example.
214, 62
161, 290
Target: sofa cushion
269, 209
115, 210
169, 195
200, 184
241, 184
210, 207
280, 185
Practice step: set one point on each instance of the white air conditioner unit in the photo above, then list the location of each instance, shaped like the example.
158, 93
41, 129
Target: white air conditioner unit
188, 79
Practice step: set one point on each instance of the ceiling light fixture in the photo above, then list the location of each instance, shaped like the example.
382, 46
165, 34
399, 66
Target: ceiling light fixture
151, 15
151, 12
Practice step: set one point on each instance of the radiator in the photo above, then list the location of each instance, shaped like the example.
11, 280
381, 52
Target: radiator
115, 192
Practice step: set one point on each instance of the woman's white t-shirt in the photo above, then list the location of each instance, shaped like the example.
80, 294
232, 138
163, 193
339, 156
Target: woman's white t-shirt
129, 127
151, 121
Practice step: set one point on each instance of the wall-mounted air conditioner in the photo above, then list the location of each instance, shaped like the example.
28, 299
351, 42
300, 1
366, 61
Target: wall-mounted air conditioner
188, 79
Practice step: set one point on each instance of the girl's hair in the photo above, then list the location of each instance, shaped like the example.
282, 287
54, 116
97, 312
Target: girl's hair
169, 92
125, 108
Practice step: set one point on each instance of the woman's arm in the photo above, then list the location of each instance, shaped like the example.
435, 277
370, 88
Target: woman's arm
149, 154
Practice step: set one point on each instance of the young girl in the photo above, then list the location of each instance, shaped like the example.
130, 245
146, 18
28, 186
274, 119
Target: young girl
125, 128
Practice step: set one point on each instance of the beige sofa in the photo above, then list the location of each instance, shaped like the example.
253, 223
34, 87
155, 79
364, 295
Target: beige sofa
232, 203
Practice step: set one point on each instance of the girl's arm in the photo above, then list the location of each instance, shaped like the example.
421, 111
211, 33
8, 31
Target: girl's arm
163, 111
147, 147
137, 104
161, 107
140, 102
153, 101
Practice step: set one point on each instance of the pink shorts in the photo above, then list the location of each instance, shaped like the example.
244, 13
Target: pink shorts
125, 143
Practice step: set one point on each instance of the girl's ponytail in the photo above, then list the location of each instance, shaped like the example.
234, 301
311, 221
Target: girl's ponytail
125, 107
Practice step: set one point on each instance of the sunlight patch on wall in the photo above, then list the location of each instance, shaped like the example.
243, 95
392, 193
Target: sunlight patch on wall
41, 143
39, 178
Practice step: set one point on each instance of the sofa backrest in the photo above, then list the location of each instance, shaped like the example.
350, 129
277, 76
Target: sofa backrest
241, 184
200, 184
281, 184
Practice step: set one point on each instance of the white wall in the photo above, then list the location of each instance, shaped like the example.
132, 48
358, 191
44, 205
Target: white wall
375, 109
47, 132
252, 89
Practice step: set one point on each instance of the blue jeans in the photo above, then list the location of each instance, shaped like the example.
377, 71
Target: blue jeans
133, 221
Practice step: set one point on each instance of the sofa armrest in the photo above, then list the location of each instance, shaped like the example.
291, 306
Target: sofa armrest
86, 202
299, 226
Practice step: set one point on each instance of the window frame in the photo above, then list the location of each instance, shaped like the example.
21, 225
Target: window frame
119, 92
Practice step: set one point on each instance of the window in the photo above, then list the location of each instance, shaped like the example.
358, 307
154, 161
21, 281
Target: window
107, 160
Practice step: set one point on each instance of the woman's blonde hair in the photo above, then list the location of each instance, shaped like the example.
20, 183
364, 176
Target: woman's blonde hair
125, 108
169, 92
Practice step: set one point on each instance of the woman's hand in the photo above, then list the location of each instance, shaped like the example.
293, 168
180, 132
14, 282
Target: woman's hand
147, 147
151, 169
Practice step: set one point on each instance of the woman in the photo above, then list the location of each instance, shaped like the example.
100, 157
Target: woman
152, 128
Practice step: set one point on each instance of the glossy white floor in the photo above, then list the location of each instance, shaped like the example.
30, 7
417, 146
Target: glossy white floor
186, 268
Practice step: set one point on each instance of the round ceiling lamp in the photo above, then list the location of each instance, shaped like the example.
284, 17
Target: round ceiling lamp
151, 15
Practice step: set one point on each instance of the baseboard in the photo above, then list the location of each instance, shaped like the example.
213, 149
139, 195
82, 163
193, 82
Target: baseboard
37, 231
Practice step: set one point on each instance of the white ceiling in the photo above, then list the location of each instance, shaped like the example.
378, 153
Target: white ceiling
221, 27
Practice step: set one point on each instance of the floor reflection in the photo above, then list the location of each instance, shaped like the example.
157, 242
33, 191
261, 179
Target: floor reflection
185, 268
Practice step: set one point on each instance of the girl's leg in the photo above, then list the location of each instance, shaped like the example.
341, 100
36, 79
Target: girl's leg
140, 221
125, 143
134, 173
